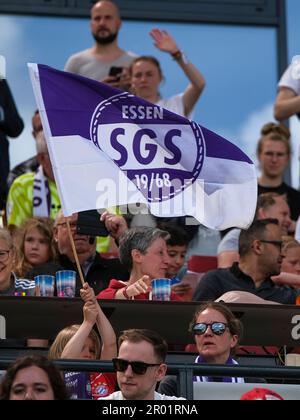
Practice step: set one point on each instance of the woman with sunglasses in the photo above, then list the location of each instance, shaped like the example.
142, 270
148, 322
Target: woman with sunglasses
217, 333
10, 285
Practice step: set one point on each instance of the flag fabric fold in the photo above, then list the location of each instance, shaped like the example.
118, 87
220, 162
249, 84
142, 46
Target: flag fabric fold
108, 148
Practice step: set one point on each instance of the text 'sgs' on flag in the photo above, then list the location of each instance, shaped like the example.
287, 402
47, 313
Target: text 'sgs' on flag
108, 147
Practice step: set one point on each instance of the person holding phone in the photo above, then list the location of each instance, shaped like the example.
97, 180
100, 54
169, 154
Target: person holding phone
99, 61
146, 77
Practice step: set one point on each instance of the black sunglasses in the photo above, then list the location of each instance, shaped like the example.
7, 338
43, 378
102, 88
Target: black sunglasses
276, 243
140, 368
218, 328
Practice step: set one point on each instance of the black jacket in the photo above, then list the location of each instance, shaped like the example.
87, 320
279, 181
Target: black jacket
11, 125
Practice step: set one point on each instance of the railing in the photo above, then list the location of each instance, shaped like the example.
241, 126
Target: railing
184, 371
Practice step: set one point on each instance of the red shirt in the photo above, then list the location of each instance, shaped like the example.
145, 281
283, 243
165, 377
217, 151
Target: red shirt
115, 285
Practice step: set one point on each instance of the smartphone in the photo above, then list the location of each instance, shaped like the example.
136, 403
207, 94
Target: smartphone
89, 223
115, 71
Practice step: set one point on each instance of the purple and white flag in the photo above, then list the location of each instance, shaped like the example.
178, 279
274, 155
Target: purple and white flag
108, 148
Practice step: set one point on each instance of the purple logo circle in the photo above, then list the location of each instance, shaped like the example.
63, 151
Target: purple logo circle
161, 153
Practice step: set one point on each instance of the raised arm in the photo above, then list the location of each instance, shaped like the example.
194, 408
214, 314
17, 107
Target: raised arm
287, 104
165, 42
75, 345
107, 334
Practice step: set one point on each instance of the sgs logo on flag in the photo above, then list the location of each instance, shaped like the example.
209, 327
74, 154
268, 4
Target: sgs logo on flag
161, 153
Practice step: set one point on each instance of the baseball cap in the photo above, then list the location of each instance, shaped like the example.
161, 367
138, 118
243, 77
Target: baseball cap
261, 394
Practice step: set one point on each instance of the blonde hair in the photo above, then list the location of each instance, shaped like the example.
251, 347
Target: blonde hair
7, 238
288, 243
65, 335
45, 228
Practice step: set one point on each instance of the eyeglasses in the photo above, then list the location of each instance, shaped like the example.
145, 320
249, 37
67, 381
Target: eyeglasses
140, 368
4, 255
217, 328
276, 243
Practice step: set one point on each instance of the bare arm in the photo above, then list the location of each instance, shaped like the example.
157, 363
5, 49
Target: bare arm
287, 104
143, 285
106, 331
288, 279
74, 346
165, 42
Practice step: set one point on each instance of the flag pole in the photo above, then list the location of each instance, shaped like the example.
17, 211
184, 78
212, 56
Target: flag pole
75, 252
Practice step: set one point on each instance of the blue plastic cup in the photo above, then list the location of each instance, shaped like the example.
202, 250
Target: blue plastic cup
66, 283
44, 285
161, 289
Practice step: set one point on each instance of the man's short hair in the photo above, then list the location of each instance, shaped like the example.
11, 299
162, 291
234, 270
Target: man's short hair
140, 238
267, 200
256, 231
160, 346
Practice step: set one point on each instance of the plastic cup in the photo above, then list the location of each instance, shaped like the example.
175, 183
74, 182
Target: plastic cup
44, 285
161, 289
66, 283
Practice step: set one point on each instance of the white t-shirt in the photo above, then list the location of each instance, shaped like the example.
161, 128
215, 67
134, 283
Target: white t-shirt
174, 104
157, 396
290, 80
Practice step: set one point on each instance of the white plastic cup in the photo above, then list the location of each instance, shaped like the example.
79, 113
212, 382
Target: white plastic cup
66, 283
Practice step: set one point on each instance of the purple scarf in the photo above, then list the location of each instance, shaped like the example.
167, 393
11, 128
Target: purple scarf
199, 360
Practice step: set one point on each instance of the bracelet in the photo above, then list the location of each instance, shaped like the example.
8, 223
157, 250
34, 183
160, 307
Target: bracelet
179, 55
176, 55
124, 291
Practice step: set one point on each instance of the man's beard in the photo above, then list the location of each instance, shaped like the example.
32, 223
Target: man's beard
105, 40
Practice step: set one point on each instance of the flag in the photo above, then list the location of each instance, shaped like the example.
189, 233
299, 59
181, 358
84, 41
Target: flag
108, 147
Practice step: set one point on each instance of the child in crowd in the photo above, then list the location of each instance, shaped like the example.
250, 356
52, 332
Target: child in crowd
35, 245
290, 267
82, 342
177, 245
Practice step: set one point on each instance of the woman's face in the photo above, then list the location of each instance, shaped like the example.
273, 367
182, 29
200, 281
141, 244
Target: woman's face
145, 79
31, 383
214, 348
154, 262
6, 265
291, 261
36, 247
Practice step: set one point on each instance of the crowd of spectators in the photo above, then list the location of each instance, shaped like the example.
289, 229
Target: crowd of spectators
263, 260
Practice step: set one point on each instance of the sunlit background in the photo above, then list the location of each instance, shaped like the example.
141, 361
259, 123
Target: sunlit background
239, 64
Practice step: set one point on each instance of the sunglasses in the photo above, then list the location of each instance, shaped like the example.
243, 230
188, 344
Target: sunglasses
217, 328
140, 368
